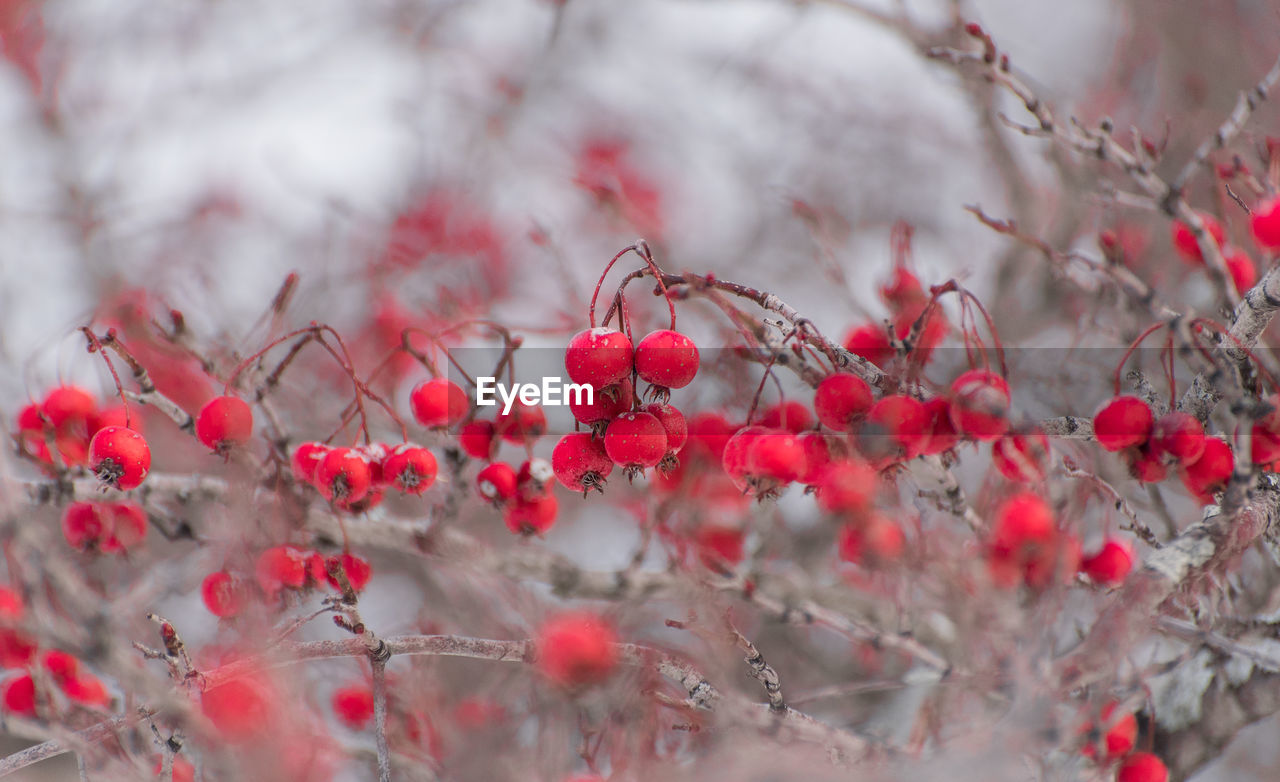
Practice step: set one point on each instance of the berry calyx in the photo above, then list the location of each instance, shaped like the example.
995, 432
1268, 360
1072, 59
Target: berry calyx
636, 441
225, 422
577, 649
1265, 224
410, 469
581, 463
980, 404
438, 403
119, 457
666, 359
1111, 565
598, 357
1123, 422
496, 482
841, 400
344, 476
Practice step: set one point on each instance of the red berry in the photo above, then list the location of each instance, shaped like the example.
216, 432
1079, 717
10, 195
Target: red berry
358, 571
438, 402
942, 431
577, 649
306, 460
534, 477
775, 457
708, 433
1264, 444
20, 696
1240, 266
11, 606
719, 548
119, 457
1021, 456
1180, 435
606, 403
1209, 474
870, 342
16, 649
344, 476
1265, 223
896, 427
476, 438
841, 400
223, 594
354, 706
531, 516
735, 454
673, 423
281, 567
84, 524
848, 486
667, 359
128, 527
1110, 565
87, 689
1122, 422
1142, 767
817, 457
1024, 542
636, 440
69, 406
580, 462
183, 770
496, 482
410, 469
873, 541
62, 667
240, 709
790, 415
1118, 740
224, 423
523, 424
598, 357
1185, 241
980, 404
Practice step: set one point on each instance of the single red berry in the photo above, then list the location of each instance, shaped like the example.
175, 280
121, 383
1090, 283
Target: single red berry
358, 570
789, 415
11, 606
223, 594
708, 434
183, 770
817, 457
69, 407
88, 690
1241, 269
438, 402
598, 357
1185, 241
354, 706
476, 438
410, 469
344, 476
841, 400
20, 696
775, 458
941, 429
119, 457
240, 709
29, 419
635, 441
870, 342
580, 462
1264, 444
1180, 435
128, 527
673, 423
606, 403
84, 524
522, 424
719, 547
1265, 222
531, 516
896, 427
735, 455
62, 667
1122, 422
496, 482
1209, 474
873, 541
847, 486
1142, 767
306, 460
16, 649
667, 359
577, 649
980, 404
1021, 456
225, 422
1119, 739
1024, 542
280, 567
1110, 565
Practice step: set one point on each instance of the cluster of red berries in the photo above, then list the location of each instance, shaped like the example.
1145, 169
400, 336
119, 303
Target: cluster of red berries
108, 527
278, 570
356, 479
1126, 424
907, 300
623, 431
84, 435
19, 694
529, 507
1116, 743
353, 706
1239, 265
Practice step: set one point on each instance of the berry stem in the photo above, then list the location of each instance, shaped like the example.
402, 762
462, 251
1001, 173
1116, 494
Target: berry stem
96, 346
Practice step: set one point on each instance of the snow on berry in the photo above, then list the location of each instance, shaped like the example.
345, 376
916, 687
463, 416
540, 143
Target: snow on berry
410, 469
496, 482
